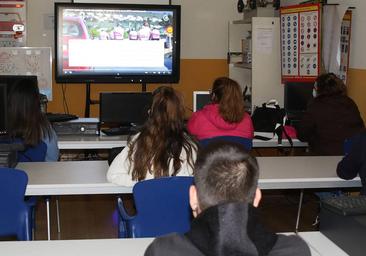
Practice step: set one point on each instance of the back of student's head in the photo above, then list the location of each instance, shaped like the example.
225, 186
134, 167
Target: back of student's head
162, 138
167, 112
25, 118
226, 92
225, 172
330, 84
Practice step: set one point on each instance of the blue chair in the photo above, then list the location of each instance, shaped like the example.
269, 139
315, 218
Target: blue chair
247, 143
162, 207
15, 216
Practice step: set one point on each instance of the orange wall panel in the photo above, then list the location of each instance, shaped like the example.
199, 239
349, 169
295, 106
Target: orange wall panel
196, 74
357, 89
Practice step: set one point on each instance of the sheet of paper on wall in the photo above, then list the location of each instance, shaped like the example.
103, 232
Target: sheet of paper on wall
13, 23
264, 39
34, 61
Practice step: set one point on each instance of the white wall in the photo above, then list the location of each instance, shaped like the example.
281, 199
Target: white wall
204, 26
358, 36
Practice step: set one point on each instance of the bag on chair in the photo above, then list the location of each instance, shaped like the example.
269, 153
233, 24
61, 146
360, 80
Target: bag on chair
271, 118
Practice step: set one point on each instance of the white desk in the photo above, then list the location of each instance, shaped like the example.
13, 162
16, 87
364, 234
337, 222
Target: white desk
89, 247
318, 243
89, 177
91, 141
107, 142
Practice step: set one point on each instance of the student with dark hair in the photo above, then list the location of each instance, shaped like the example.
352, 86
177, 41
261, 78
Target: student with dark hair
354, 162
330, 118
226, 115
161, 148
224, 200
28, 125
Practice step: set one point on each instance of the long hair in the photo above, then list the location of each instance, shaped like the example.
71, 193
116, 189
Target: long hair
162, 138
25, 119
329, 84
226, 92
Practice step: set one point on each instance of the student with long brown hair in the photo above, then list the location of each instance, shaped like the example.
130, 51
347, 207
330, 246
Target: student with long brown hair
161, 148
225, 116
28, 125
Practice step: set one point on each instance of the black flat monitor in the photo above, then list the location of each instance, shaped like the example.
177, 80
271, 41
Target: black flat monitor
124, 108
297, 97
3, 109
117, 43
10, 80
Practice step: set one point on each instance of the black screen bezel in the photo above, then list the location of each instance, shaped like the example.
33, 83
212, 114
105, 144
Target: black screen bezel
141, 79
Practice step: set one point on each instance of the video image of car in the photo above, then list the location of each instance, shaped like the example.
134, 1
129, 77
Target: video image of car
11, 25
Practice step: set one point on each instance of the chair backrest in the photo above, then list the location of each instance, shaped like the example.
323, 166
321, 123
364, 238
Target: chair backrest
14, 213
247, 143
162, 207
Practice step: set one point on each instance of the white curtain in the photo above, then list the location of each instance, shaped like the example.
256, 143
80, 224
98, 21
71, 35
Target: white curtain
331, 35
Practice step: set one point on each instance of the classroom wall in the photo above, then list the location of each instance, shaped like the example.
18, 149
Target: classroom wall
203, 53
203, 49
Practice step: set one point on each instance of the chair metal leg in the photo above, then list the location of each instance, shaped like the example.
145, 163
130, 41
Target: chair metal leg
299, 211
58, 216
48, 218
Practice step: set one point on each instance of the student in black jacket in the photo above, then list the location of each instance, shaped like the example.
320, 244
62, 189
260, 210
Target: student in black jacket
224, 200
330, 118
354, 162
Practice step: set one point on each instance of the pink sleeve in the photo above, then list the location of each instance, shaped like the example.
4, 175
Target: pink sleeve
250, 126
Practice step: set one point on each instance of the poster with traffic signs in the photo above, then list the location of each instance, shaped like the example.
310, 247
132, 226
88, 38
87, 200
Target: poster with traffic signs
300, 42
12, 23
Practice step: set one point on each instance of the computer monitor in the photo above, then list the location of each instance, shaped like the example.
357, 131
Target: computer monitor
124, 108
200, 99
3, 109
297, 97
9, 80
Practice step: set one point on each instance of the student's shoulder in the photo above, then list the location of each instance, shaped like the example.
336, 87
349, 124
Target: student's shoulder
290, 245
172, 245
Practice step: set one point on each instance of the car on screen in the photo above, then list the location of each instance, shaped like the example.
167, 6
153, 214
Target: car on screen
11, 25
73, 28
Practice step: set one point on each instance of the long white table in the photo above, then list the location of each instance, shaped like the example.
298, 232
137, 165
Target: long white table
107, 142
318, 243
89, 177
321, 245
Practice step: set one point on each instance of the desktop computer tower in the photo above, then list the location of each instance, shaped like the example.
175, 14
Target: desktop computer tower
80, 127
345, 227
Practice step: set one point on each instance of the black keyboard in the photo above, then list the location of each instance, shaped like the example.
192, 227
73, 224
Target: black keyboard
115, 131
346, 205
60, 117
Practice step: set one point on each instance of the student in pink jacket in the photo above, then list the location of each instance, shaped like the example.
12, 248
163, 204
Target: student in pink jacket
225, 116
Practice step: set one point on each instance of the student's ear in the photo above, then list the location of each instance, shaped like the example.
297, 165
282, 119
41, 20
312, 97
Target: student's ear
193, 200
257, 197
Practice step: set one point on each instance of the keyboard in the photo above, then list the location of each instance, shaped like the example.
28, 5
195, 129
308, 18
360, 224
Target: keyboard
346, 205
60, 117
115, 131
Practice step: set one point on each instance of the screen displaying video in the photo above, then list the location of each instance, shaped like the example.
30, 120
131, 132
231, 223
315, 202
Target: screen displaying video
119, 41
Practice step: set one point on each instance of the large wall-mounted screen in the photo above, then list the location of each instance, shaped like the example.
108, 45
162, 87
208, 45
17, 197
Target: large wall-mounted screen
117, 43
